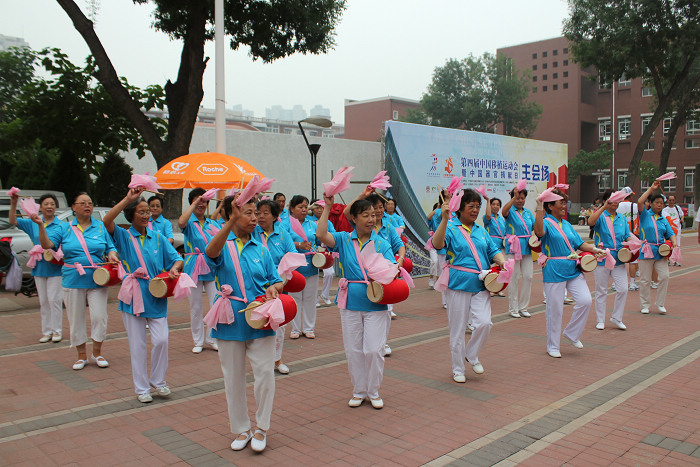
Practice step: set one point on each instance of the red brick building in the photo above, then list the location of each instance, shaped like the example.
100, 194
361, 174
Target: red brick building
580, 113
364, 120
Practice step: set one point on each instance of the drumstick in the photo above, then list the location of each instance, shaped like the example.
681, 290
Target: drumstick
440, 193
154, 192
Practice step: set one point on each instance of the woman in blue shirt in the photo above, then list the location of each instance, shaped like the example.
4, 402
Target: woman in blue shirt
365, 324
560, 272
85, 242
305, 320
396, 220
654, 229
329, 272
469, 251
610, 230
198, 231
519, 222
47, 276
158, 222
495, 225
279, 241
145, 253
235, 244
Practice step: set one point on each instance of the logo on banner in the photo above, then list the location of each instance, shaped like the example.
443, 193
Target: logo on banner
212, 169
243, 170
448, 166
177, 166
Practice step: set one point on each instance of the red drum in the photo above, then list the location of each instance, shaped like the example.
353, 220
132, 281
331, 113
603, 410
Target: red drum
665, 249
288, 304
407, 264
535, 244
490, 282
322, 259
394, 292
588, 262
107, 275
296, 283
626, 256
48, 256
162, 286
404, 239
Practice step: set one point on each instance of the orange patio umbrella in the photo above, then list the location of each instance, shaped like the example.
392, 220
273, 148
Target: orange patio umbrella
206, 170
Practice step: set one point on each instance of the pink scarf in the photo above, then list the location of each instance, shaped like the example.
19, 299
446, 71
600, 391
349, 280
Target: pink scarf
444, 280
343, 282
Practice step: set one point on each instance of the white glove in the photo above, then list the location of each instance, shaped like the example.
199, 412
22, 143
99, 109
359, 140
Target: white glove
483, 274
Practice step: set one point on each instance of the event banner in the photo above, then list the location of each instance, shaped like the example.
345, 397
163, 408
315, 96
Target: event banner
431, 156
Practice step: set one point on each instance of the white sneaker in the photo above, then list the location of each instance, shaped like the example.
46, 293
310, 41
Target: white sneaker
355, 402
163, 391
197, 349
431, 283
387, 350
478, 368
239, 444
444, 305
327, 301
80, 364
377, 403
645, 311
45, 338
100, 361
577, 344
613, 288
214, 346
619, 324
459, 378
56, 337
654, 285
145, 398
545, 300
568, 301
525, 313
601, 326
554, 353
318, 304
282, 368
514, 314
662, 309
393, 315
258, 445
470, 327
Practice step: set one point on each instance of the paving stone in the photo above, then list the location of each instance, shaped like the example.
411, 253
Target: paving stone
686, 448
653, 439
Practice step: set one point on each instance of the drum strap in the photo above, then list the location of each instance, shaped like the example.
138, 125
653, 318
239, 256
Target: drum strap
263, 237
542, 258
81, 240
527, 229
611, 229
498, 227
137, 250
233, 252
444, 280
201, 232
475, 253
343, 282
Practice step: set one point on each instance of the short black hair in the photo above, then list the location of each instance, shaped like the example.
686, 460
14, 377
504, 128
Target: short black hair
360, 206
78, 195
496, 199
158, 198
375, 198
469, 196
46, 196
606, 194
656, 195
297, 199
274, 207
194, 193
130, 209
512, 192
277, 195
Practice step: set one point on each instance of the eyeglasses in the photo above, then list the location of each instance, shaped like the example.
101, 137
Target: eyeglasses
144, 213
473, 206
84, 203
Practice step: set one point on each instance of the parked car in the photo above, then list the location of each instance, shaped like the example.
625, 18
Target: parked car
21, 243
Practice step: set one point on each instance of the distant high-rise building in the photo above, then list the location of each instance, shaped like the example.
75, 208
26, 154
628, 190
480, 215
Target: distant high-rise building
8, 41
320, 111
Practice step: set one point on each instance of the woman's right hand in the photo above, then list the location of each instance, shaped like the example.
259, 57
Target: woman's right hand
133, 194
305, 245
445, 210
37, 220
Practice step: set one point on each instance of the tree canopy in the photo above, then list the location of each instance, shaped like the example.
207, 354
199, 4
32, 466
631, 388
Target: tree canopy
271, 30
655, 40
479, 93
587, 162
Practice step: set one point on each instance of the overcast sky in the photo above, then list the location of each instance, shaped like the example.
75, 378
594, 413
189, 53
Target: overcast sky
384, 47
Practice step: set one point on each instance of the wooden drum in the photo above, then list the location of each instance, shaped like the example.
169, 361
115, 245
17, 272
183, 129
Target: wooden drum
48, 256
626, 256
588, 262
288, 304
535, 244
162, 286
665, 249
107, 275
490, 282
394, 292
296, 283
322, 259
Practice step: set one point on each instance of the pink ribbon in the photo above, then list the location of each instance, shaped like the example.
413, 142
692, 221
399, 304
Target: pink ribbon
646, 249
12, 191
407, 278
676, 256
79, 268
29, 206
429, 244
444, 280
35, 254
58, 254
200, 266
514, 242
343, 291
506, 272
183, 287
289, 263
635, 244
130, 291
542, 259
272, 310
609, 260
213, 229
221, 311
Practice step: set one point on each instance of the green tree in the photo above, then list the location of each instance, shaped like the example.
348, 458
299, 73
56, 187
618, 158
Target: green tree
271, 30
585, 162
479, 93
16, 71
655, 40
115, 174
648, 172
29, 167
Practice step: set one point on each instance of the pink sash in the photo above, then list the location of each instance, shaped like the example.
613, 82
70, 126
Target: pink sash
76, 265
542, 259
444, 280
36, 254
343, 282
609, 259
646, 249
130, 290
514, 240
498, 227
222, 311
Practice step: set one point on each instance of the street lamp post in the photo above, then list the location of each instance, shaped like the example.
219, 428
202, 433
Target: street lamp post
313, 148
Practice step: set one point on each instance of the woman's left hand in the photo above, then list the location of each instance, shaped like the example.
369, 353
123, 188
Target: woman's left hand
113, 257
173, 273
271, 293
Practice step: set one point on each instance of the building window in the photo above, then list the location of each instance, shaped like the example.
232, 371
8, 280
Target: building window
566, 50
667, 125
645, 185
621, 178
288, 131
692, 127
624, 128
313, 133
566, 85
544, 54
555, 64
544, 77
689, 175
544, 66
273, 129
646, 91
623, 82
534, 56
544, 88
331, 133
555, 52
566, 74
669, 186
395, 115
555, 87
534, 67
534, 79
534, 89
555, 75
566, 62
650, 145
646, 119
604, 129
604, 180
692, 143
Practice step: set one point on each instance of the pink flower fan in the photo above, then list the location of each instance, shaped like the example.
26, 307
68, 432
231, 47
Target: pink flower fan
455, 185
29, 206
320, 202
455, 201
562, 186
380, 181
667, 176
249, 191
481, 190
522, 184
340, 182
12, 191
547, 196
378, 267
209, 194
290, 262
145, 181
617, 196
233, 191
265, 184
297, 228
265, 198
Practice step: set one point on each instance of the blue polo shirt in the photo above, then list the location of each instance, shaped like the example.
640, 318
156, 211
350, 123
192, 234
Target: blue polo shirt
396, 220
647, 218
553, 244
460, 254
514, 226
279, 242
493, 225
603, 234
259, 272
162, 225
435, 222
284, 216
43, 268
388, 232
98, 243
194, 239
309, 227
159, 256
350, 268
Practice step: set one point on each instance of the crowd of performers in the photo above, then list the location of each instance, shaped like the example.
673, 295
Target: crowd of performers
258, 260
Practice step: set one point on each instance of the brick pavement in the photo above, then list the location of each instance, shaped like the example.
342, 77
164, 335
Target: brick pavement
627, 398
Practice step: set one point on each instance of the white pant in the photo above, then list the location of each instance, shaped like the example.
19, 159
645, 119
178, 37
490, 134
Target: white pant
434, 271
645, 267
138, 349
279, 342
441, 262
364, 336
328, 275
522, 277
75, 309
200, 331
463, 307
51, 301
261, 353
602, 277
555, 310
305, 320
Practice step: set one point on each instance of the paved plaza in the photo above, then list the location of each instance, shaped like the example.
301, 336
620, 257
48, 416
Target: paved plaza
627, 398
